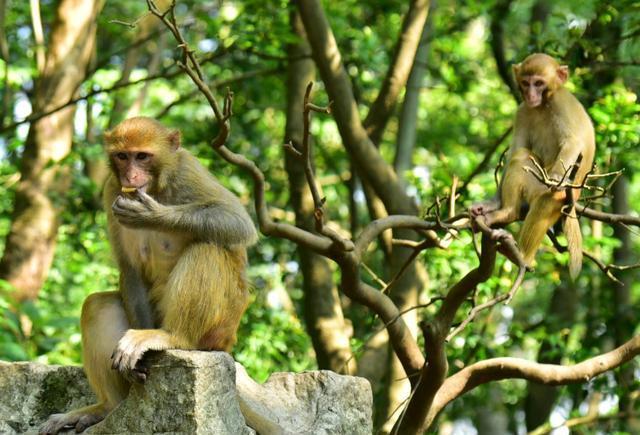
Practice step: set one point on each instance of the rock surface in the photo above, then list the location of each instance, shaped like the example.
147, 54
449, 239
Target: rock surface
29, 392
187, 392
319, 402
194, 393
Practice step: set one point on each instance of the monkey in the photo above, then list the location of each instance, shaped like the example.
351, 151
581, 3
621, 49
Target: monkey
553, 128
179, 239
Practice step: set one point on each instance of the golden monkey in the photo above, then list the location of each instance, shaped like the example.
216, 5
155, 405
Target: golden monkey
553, 128
180, 241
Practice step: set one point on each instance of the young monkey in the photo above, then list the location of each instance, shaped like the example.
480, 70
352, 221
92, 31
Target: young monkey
180, 240
553, 128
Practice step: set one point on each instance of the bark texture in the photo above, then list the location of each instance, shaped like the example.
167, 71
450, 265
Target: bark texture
30, 243
323, 312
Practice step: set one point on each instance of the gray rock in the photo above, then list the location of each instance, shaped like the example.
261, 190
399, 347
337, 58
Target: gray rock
186, 392
319, 402
29, 392
194, 393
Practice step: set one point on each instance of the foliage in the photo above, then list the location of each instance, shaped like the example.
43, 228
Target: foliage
464, 107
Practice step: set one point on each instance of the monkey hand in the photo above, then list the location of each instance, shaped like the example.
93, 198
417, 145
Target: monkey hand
142, 211
127, 356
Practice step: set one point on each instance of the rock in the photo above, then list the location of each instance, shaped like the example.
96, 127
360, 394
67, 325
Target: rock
186, 392
29, 392
319, 402
195, 393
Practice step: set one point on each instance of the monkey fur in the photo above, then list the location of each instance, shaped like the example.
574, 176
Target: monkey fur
553, 128
180, 241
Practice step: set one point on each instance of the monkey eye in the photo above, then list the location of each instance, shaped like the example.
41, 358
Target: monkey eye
121, 156
142, 156
524, 83
539, 83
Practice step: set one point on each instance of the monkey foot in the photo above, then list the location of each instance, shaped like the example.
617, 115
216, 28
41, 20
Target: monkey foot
482, 208
79, 420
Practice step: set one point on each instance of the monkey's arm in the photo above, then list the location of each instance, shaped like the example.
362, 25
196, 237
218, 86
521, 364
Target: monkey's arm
133, 289
134, 293
570, 149
222, 221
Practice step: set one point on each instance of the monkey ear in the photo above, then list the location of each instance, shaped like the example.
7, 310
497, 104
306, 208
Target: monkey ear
174, 139
107, 136
516, 69
563, 73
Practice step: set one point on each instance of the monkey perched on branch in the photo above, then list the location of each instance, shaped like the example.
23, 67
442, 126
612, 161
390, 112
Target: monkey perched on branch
180, 240
553, 139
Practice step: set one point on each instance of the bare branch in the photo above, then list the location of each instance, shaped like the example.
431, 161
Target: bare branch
318, 202
581, 421
375, 228
610, 218
478, 308
35, 116
608, 269
497, 369
214, 85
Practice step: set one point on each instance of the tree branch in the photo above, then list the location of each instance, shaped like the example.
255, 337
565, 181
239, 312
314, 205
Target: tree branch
497, 369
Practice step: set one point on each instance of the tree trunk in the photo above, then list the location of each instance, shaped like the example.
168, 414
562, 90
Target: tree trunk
322, 309
30, 243
408, 289
409, 112
360, 138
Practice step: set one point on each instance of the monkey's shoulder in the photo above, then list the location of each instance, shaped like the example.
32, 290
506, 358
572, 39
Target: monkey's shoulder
189, 181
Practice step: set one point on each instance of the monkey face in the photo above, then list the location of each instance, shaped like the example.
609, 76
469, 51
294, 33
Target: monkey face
133, 169
533, 89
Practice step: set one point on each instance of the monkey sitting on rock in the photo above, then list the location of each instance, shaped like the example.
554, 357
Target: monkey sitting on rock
180, 241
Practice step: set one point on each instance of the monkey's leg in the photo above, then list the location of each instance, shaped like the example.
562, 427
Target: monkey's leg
200, 305
207, 293
544, 211
511, 196
103, 323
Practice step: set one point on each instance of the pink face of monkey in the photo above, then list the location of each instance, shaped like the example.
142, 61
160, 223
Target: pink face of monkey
133, 169
533, 88
538, 77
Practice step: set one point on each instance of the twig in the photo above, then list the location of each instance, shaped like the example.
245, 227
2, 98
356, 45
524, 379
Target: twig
215, 84
608, 268
375, 277
305, 156
191, 66
388, 323
478, 308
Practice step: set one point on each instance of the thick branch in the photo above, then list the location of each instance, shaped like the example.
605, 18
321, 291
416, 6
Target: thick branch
375, 228
497, 369
434, 373
610, 218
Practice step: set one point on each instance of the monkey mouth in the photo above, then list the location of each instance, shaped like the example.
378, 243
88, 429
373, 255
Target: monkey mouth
132, 189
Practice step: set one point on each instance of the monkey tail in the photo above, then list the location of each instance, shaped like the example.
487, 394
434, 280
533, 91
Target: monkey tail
571, 229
